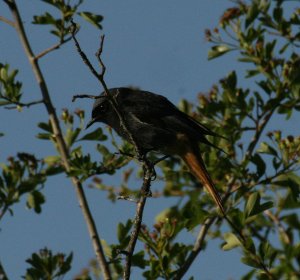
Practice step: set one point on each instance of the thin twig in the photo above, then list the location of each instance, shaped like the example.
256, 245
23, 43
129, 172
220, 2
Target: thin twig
147, 165
61, 144
21, 104
258, 133
148, 169
84, 96
73, 30
52, 48
9, 22
100, 78
197, 248
98, 55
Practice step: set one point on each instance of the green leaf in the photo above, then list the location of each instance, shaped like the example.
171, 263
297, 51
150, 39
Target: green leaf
266, 86
265, 148
253, 206
44, 19
277, 14
123, 231
260, 164
46, 265
248, 260
54, 170
35, 200
216, 51
231, 240
292, 181
72, 135
138, 259
44, 136
231, 80
50, 160
251, 73
92, 18
249, 275
96, 135
292, 220
45, 126
252, 13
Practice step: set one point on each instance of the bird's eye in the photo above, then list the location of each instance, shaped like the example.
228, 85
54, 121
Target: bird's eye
102, 108
99, 110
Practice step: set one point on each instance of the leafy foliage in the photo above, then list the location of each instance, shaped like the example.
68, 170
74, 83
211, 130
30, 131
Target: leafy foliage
59, 26
22, 175
258, 176
10, 89
45, 265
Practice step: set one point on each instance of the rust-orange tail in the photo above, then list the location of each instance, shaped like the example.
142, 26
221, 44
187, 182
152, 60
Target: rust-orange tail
197, 167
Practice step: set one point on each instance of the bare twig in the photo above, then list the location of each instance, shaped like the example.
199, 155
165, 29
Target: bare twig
9, 22
84, 96
100, 78
21, 104
98, 55
148, 170
52, 48
61, 144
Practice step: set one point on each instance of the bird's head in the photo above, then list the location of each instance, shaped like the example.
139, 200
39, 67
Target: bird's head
101, 111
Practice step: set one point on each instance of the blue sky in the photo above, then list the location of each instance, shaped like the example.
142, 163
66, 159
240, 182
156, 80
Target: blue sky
156, 45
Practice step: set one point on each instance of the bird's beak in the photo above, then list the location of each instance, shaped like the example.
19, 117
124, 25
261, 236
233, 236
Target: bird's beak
90, 123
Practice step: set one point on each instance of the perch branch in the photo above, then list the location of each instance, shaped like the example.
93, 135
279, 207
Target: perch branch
147, 165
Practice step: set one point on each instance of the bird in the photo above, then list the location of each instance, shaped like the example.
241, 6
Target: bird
157, 125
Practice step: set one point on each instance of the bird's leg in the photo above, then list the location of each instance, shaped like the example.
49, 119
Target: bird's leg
161, 159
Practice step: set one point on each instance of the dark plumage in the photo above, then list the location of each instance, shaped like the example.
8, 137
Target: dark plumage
158, 125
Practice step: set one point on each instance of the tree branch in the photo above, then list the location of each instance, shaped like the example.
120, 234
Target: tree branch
62, 147
147, 165
52, 48
145, 189
259, 129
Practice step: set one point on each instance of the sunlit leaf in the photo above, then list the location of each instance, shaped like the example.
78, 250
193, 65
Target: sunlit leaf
231, 240
219, 50
265, 148
92, 18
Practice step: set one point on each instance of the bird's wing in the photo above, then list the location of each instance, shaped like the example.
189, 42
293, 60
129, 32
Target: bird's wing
157, 110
